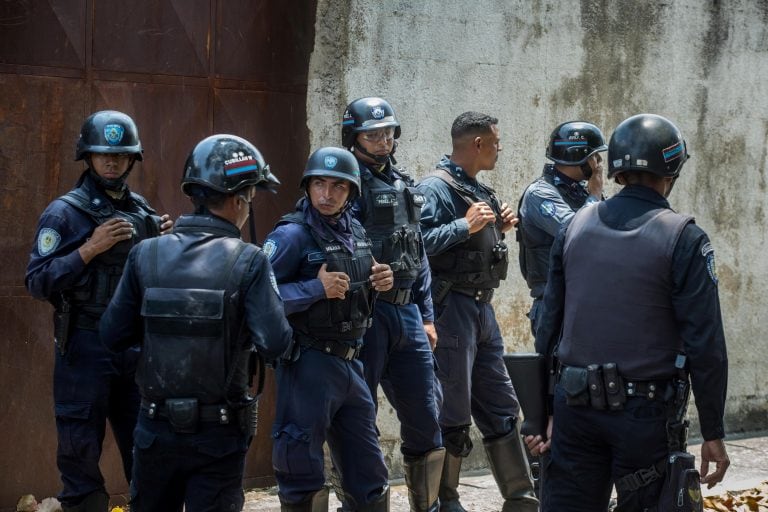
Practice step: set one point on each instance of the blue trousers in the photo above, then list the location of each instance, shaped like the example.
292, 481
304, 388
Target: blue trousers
591, 449
322, 398
396, 354
90, 386
200, 472
471, 369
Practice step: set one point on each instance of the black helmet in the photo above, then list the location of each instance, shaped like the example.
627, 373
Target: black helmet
572, 143
336, 163
366, 114
108, 131
647, 142
226, 163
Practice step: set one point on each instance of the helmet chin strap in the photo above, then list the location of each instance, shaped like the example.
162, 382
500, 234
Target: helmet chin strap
379, 159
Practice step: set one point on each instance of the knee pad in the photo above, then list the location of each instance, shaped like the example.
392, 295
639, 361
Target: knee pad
457, 441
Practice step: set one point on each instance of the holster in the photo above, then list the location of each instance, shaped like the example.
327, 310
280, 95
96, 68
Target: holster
528, 372
681, 491
61, 327
248, 418
183, 414
440, 290
596, 387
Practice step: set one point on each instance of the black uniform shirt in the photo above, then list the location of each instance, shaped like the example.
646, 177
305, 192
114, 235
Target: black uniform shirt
694, 298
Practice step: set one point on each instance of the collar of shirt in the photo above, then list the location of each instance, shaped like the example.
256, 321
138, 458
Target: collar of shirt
196, 222
561, 179
457, 172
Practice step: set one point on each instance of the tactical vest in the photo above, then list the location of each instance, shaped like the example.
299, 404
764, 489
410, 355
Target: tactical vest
91, 294
482, 260
392, 223
535, 244
195, 344
339, 319
618, 288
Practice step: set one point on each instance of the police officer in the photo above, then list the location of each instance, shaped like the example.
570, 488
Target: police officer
398, 347
83, 239
464, 225
621, 348
551, 200
202, 304
328, 279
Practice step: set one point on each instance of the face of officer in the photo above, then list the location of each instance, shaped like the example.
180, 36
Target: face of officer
595, 163
328, 195
111, 166
488, 148
377, 142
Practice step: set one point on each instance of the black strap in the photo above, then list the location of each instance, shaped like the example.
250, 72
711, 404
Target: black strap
641, 477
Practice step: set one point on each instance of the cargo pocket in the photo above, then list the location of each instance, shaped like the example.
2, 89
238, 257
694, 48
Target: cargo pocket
76, 435
290, 450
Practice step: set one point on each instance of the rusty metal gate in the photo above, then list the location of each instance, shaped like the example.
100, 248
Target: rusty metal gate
183, 69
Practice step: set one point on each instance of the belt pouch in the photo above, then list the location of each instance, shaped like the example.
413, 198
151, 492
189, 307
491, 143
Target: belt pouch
183, 414
573, 380
614, 387
681, 491
596, 389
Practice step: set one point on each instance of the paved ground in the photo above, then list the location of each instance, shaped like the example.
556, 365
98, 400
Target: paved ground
749, 467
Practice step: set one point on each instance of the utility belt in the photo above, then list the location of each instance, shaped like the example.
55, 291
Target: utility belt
602, 387
331, 347
479, 294
185, 414
441, 288
397, 296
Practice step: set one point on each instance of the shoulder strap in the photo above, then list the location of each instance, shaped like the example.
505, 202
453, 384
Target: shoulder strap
460, 189
85, 204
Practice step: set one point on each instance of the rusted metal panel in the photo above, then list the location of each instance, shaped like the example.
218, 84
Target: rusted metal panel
184, 69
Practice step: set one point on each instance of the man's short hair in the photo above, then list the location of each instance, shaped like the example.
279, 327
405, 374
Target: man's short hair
472, 123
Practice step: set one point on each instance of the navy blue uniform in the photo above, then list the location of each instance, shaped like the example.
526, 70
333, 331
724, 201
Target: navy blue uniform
546, 205
198, 301
323, 395
396, 352
90, 384
470, 346
592, 448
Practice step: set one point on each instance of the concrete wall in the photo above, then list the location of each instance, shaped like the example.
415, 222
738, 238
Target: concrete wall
535, 63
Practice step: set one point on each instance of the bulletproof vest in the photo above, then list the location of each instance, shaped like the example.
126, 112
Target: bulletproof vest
618, 289
392, 223
91, 294
195, 344
535, 244
339, 319
482, 260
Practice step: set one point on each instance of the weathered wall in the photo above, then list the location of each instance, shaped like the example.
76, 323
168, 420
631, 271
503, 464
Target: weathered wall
535, 63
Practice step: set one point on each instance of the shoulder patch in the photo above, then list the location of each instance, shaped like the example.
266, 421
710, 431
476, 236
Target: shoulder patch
48, 241
547, 208
707, 249
709, 255
269, 248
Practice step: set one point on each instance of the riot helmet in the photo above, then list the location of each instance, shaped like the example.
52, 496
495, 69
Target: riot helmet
108, 131
573, 142
225, 164
367, 114
335, 163
649, 143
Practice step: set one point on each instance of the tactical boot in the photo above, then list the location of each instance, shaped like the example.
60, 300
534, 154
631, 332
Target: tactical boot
315, 502
380, 504
509, 465
95, 502
422, 476
449, 484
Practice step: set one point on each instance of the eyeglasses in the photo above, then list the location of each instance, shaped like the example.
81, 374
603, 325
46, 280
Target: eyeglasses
385, 134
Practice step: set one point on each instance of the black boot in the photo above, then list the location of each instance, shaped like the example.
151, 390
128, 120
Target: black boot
422, 476
509, 465
380, 504
95, 502
449, 484
316, 502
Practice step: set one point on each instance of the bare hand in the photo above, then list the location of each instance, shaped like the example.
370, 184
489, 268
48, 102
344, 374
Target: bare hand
508, 218
429, 328
536, 444
335, 284
382, 277
478, 215
166, 224
105, 236
595, 182
713, 451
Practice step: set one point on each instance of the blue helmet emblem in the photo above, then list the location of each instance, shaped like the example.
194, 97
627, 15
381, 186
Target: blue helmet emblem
113, 133
377, 112
330, 161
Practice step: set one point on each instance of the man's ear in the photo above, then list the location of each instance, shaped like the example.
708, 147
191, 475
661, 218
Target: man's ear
478, 142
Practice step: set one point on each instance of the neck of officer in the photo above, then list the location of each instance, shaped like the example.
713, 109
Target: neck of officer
466, 160
231, 210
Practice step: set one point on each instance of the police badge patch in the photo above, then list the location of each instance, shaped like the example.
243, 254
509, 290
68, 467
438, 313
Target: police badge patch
113, 133
709, 253
48, 241
547, 209
377, 112
269, 248
330, 161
